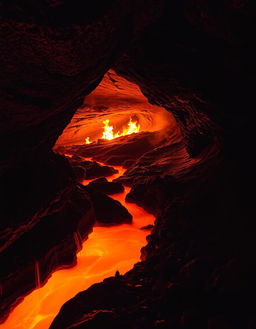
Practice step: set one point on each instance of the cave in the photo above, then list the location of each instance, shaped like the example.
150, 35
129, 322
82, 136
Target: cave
126, 164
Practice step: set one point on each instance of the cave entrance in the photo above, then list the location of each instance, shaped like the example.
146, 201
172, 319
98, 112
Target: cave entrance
116, 124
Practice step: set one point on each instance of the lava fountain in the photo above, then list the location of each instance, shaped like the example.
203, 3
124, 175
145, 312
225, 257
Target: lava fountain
100, 256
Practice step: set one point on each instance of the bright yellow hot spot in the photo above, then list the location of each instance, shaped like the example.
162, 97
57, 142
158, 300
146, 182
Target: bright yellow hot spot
133, 127
87, 140
108, 131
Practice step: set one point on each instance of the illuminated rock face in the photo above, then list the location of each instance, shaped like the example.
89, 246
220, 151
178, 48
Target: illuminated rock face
196, 61
119, 101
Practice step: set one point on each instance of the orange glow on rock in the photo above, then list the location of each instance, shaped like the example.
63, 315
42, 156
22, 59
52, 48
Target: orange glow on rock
116, 99
105, 251
108, 131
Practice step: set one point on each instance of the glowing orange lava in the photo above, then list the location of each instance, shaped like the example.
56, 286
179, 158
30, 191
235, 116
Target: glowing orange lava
108, 131
105, 251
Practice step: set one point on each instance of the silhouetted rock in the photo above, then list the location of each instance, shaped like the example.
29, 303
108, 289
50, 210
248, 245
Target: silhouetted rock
107, 210
91, 169
51, 243
121, 151
147, 227
98, 300
102, 185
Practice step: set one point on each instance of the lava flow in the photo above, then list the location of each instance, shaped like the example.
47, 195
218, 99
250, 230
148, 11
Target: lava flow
106, 251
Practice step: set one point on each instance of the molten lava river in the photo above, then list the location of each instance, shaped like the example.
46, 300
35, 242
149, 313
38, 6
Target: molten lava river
107, 250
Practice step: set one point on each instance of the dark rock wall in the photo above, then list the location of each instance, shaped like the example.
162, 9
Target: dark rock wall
198, 62
50, 244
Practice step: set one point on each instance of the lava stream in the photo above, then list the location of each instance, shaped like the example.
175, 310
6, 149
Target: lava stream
102, 254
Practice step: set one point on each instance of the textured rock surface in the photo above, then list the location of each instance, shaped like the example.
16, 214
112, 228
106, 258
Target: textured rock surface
28, 190
102, 185
51, 243
101, 302
122, 151
90, 169
197, 61
107, 210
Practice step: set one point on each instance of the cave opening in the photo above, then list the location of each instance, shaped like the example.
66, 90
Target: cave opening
117, 108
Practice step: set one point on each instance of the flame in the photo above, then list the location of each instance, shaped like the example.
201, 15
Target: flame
133, 128
108, 131
87, 140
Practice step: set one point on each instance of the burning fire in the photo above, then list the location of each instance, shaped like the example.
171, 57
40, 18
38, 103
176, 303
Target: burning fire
87, 140
108, 131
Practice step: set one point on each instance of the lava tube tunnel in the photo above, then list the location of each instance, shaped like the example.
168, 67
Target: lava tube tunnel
114, 128
126, 171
